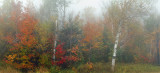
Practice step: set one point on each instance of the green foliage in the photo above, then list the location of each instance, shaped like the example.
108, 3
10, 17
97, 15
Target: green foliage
70, 35
44, 36
138, 68
124, 56
120, 68
45, 60
55, 69
1, 63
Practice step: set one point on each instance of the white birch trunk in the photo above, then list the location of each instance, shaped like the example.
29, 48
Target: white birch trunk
116, 45
55, 44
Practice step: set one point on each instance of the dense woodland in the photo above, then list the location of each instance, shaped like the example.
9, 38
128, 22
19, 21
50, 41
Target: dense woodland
127, 32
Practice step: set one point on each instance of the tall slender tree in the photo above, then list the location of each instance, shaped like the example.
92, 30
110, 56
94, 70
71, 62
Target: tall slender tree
122, 12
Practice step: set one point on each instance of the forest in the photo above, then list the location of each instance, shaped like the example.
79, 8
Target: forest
48, 37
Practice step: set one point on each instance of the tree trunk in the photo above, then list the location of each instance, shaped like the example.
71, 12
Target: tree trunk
55, 44
116, 45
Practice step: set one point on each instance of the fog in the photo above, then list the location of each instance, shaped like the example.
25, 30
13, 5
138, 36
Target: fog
77, 6
79, 36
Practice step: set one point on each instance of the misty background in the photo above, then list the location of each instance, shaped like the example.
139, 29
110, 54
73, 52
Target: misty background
78, 6
79, 36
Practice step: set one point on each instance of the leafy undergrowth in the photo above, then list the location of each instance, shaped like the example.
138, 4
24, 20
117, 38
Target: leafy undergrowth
91, 68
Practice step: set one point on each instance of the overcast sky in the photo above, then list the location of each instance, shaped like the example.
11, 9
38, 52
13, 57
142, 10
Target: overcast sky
158, 5
79, 5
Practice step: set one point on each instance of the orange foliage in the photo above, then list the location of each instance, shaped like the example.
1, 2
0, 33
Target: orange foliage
24, 43
74, 54
91, 31
92, 36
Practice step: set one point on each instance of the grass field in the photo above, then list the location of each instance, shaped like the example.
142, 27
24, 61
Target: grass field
94, 68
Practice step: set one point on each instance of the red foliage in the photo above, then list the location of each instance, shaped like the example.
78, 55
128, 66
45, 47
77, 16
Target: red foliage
60, 55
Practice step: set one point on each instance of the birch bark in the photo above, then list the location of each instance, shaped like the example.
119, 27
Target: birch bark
55, 44
116, 45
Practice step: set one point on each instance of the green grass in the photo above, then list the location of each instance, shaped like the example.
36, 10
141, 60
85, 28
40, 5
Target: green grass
97, 68
136, 68
120, 68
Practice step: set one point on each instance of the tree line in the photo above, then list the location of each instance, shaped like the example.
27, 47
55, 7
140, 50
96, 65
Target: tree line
127, 32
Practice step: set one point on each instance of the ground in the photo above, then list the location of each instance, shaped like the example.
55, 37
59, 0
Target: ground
94, 68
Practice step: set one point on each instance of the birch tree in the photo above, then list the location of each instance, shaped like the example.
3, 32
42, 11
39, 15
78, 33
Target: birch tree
55, 43
52, 10
120, 13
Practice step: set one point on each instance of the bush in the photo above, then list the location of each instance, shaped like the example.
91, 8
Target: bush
40, 70
45, 60
1, 63
55, 69
123, 55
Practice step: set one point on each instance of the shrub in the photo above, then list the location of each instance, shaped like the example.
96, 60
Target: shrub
55, 69
45, 60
